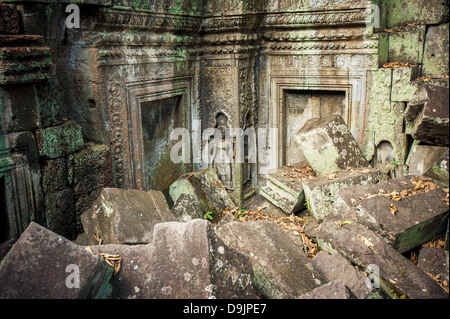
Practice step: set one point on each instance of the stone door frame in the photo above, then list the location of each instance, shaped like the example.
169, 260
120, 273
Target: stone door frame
336, 80
148, 91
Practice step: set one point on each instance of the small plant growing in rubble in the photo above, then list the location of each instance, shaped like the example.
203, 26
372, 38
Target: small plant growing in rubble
308, 207
209, 215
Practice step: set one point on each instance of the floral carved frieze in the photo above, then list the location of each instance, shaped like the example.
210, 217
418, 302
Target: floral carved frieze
319, 18
142, 20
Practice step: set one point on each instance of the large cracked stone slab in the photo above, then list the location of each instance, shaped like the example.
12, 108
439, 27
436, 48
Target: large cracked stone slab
321, 192
418, 217
126, 216
428, 110
329, 146
192, 262
184, 261
333, 290
44, 265
281, 268
363, 247
335, 267
207, 191
434, 261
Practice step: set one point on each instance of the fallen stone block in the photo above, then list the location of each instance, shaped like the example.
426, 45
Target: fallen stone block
329, 146
429, 112
281, 268
422, 157
185, 261
434, 261
126, 216
186, 208
335, 267
260, 202
207, 191
228, 218
438, 171
332, 290
284, 187
321, 192
407, 212
397, 275
59, 141
44, 265
205, 266
134, 277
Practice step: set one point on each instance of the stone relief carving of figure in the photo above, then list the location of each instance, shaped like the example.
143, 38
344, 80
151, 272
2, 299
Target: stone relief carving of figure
223, 153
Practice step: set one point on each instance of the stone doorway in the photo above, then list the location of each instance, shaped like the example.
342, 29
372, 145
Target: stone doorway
159, 118
299, 107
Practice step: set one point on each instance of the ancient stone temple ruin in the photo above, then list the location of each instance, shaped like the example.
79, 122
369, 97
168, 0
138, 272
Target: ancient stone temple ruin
254, 139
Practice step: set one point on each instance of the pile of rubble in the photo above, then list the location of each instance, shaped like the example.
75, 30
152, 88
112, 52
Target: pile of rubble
329, 228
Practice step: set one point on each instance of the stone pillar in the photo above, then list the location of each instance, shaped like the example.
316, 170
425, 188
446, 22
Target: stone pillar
227, 86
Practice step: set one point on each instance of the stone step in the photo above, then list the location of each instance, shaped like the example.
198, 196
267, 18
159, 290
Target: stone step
284, 187
280, 199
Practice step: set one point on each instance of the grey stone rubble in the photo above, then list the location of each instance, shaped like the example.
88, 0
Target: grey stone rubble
39, 266
404, 222
178, 253
428, 112
126, 216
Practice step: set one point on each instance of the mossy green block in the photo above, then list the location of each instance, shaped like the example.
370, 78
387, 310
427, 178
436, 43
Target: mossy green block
58, 141
404, 12
407, 46
403, 86
436, 56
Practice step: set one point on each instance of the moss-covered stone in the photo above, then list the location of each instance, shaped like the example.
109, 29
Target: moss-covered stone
206, 189
329, 146
403, 84
436, 55
384, 120
58, 141
404, 12
406, 46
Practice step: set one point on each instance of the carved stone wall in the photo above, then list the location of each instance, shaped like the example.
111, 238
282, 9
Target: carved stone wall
229, 63
229, 58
